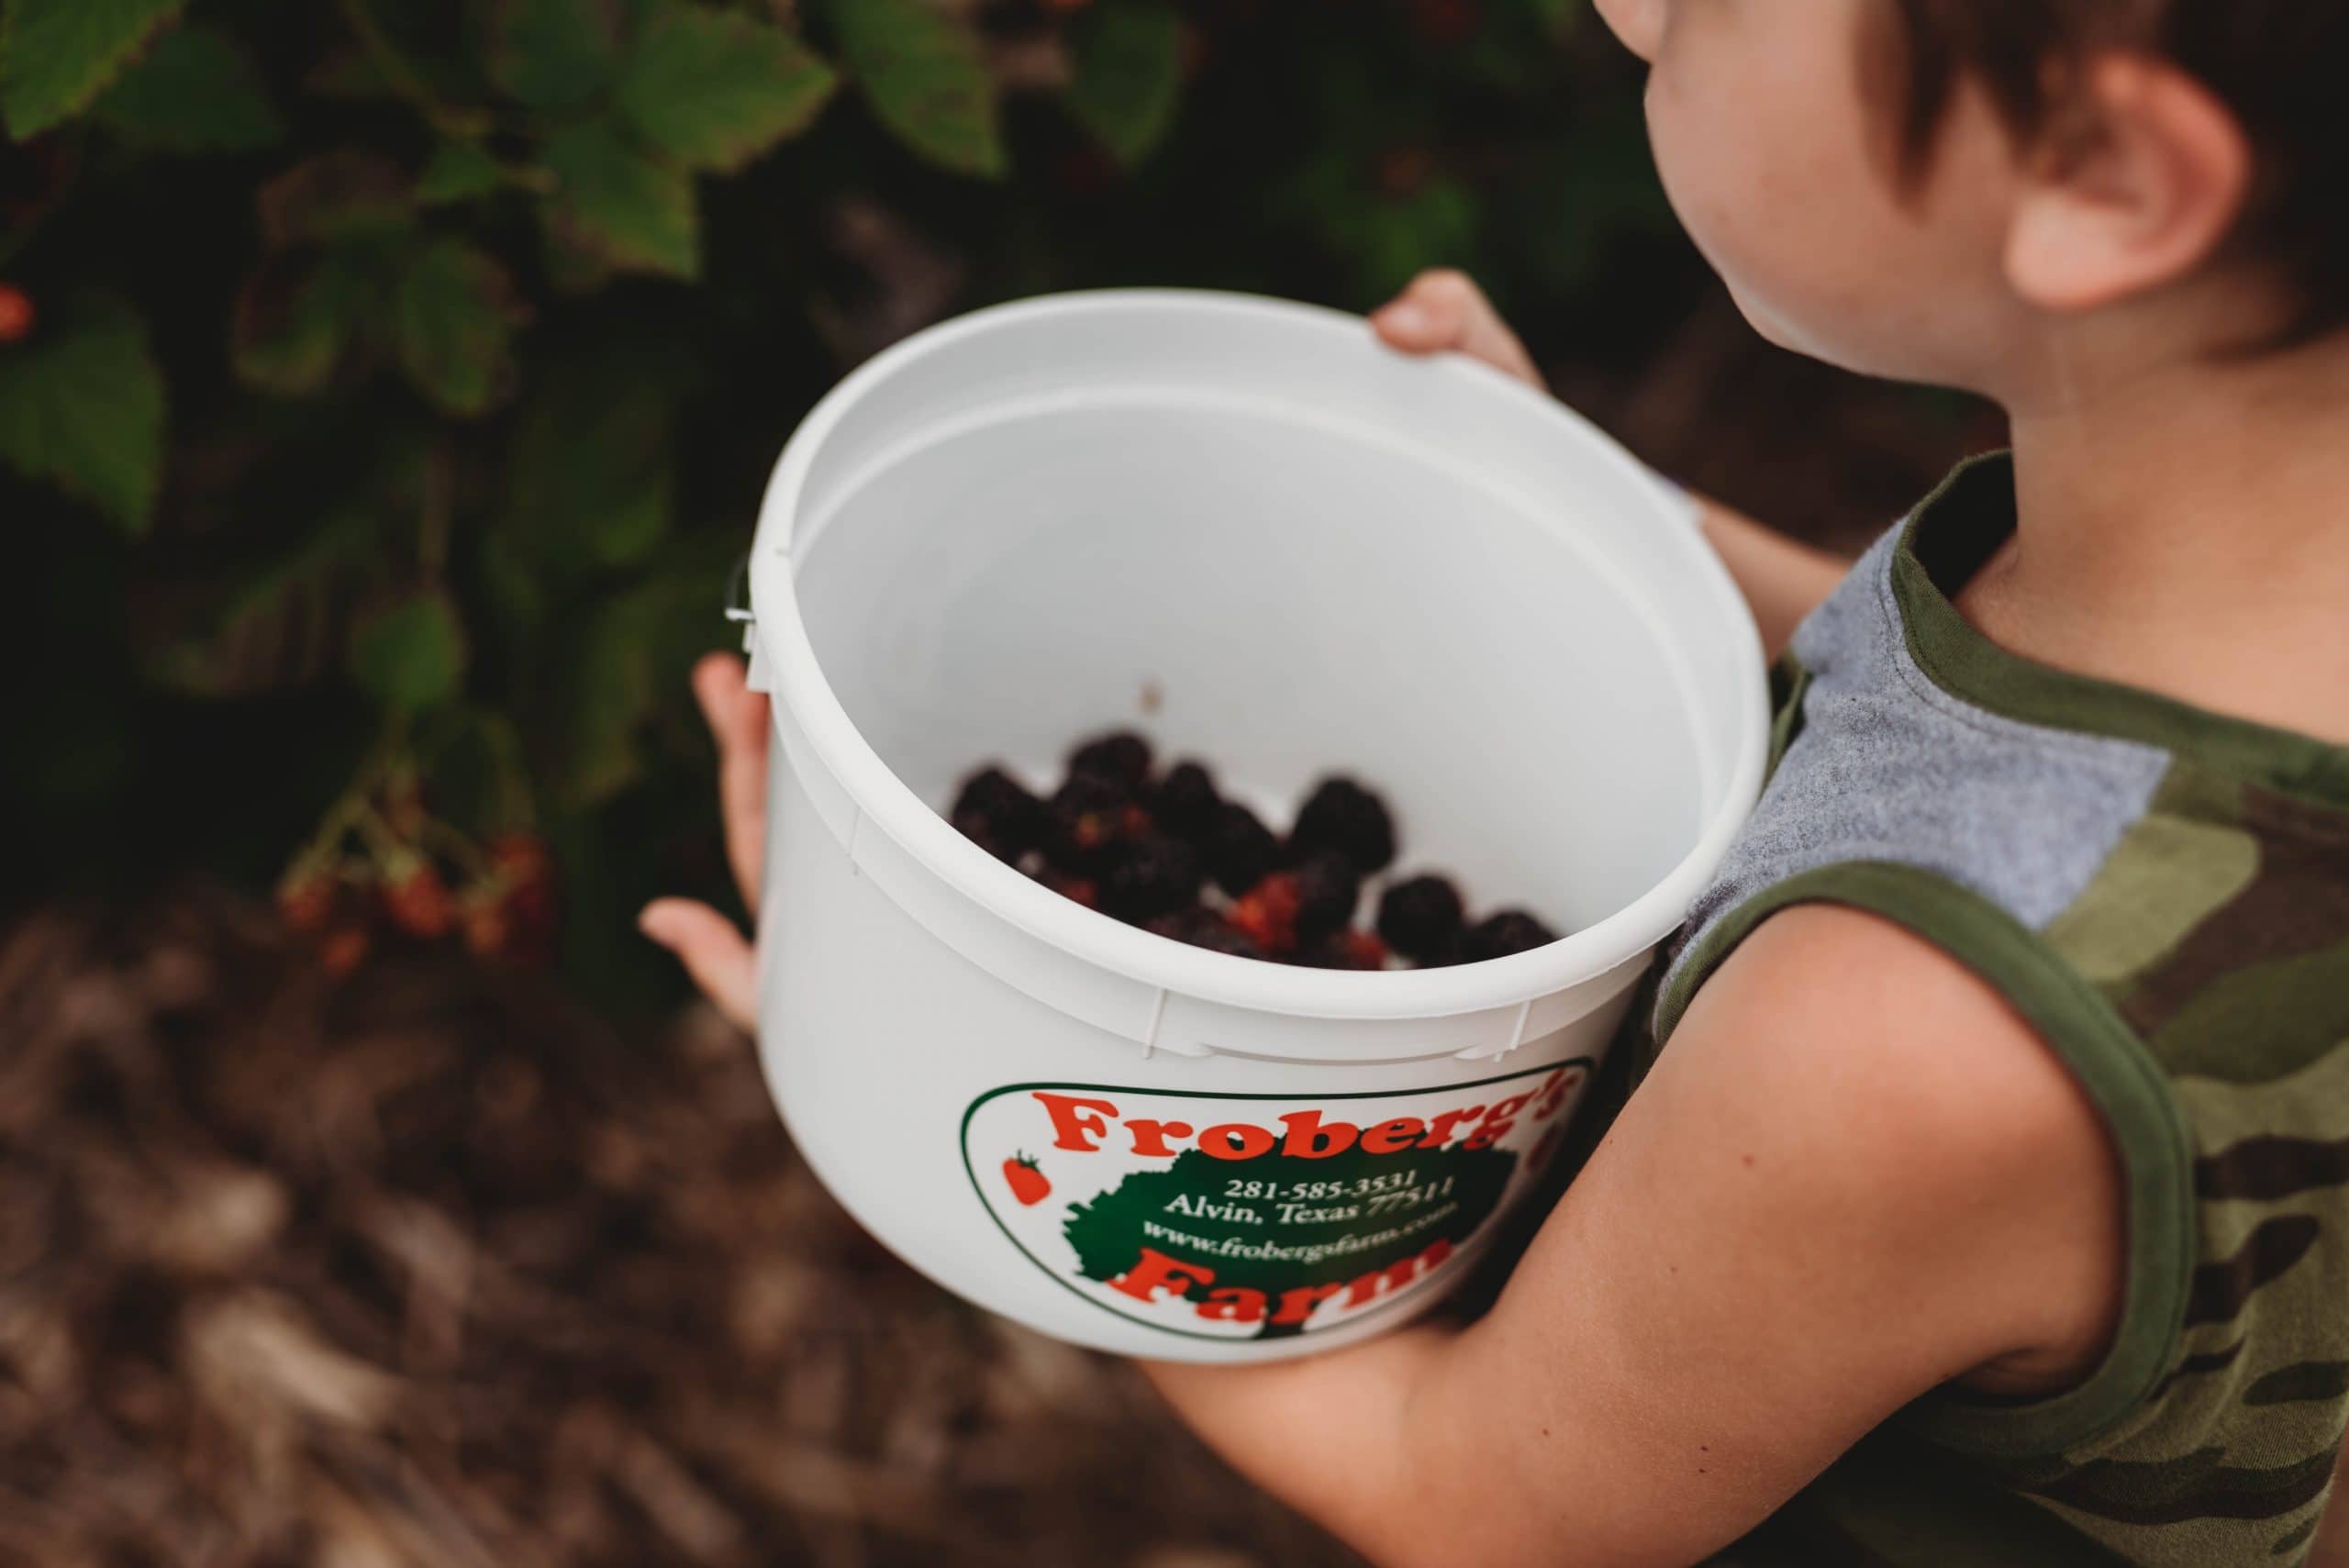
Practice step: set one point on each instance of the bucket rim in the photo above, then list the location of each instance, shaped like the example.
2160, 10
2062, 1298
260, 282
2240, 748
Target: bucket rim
887, 804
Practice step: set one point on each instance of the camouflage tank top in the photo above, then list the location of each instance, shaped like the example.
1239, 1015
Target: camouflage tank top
2164, 892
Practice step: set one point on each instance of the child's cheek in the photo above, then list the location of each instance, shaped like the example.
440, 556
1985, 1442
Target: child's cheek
1698, 159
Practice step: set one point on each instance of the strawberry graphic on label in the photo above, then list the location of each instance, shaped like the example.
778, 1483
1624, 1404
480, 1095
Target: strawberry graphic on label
1027, 1182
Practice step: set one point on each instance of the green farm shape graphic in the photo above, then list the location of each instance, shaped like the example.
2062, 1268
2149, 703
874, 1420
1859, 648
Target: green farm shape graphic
1328, 1225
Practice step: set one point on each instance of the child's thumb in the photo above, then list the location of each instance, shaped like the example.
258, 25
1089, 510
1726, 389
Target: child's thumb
721, 962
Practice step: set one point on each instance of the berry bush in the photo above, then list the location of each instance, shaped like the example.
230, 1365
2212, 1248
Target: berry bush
387, 385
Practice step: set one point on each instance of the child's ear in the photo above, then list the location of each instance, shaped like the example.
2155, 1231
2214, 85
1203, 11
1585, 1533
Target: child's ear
2142, 192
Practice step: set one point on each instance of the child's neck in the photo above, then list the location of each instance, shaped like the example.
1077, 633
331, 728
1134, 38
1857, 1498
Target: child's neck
2185, 529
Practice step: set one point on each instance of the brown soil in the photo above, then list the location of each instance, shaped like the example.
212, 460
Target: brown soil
431, 1267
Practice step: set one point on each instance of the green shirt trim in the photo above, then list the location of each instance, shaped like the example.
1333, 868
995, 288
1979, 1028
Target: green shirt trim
1950, 537
2110, 1064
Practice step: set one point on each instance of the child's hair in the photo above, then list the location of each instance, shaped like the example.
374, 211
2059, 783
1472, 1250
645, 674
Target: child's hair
2277, 64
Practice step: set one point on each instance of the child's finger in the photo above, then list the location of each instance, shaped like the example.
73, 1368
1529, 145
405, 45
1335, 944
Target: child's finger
1446, 309
1475, 328
721, 961
1437, 310
1414, 325
738, 721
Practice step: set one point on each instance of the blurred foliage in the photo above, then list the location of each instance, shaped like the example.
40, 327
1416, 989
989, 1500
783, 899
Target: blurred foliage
387, 385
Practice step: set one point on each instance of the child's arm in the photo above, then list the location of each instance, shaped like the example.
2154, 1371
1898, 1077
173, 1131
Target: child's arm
1854, 1175
1782, 580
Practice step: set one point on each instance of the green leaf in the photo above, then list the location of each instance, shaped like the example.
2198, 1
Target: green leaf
335, 195
624, 207
197, 91
411, 656
350, 74
459, 172
572, 265
553, 54
293, 320
277, 620
920, 68
57, 56
591, 476
453, 317
614, 663
1128, 81
1396, 240
82, 407
715, 89
629, 658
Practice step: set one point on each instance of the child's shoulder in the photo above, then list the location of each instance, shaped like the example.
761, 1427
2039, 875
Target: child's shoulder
1906, 1107
1831, 1009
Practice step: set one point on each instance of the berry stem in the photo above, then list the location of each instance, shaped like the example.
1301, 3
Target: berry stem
516, 809
457, 847
384, 847
433, 514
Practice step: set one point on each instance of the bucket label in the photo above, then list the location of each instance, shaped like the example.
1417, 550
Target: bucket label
1251, 1216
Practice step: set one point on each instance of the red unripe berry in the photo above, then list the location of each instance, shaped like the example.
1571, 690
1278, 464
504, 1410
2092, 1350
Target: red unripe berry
511, 915
417, 902
17, 314
488, 933
306, 903
1266, 913
522, 857
343, 950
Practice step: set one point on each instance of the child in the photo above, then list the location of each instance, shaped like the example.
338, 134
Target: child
1986, 1195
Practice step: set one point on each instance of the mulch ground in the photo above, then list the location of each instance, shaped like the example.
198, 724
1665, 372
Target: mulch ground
430, 1267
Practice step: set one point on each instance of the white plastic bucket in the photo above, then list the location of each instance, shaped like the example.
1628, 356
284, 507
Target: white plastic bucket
1300, 553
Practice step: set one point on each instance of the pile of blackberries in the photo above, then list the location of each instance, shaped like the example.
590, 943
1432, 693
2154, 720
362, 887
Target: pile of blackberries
1169, 853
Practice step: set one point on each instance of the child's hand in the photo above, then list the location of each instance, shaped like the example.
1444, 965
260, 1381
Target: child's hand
1443, 309
717, 956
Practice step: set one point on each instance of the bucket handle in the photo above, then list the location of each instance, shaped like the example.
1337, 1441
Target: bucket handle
738, 582
738, 610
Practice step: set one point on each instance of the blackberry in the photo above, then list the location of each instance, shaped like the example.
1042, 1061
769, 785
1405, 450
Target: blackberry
1421, 919
995, 812
1076, 889
1328, 889
1342, 815
1498, 936
1205, 929
1240, 850
1186, 801
1122, 757
1349, 949
1152, 876
1089, 819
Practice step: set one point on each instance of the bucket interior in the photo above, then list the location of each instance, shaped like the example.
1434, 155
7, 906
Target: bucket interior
1282, 596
